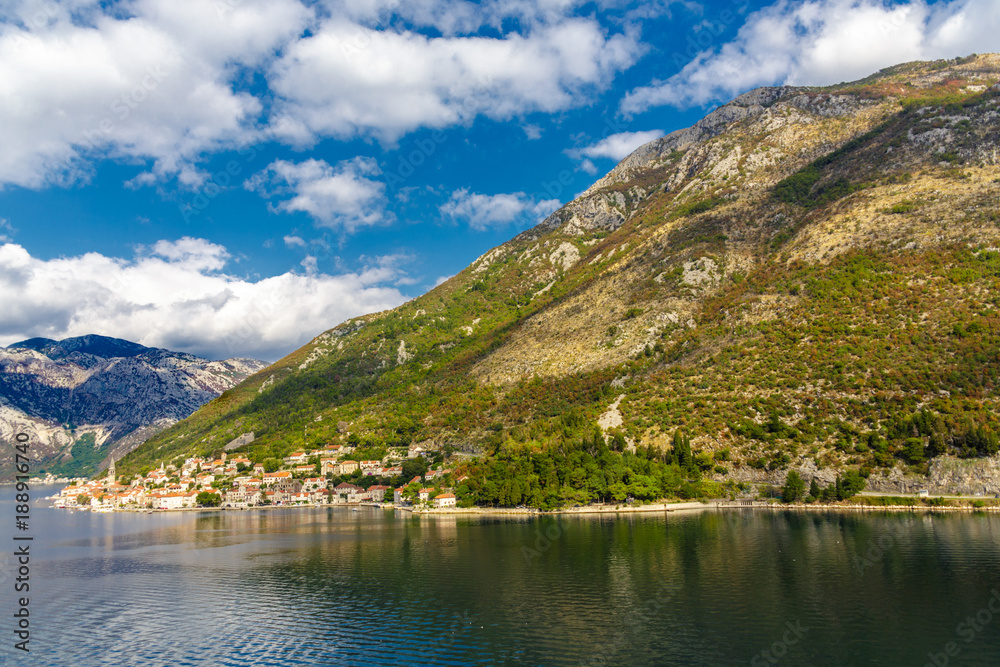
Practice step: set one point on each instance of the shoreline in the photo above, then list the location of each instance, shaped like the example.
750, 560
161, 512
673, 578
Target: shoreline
587, 510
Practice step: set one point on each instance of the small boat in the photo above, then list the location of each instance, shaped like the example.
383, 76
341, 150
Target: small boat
355, 509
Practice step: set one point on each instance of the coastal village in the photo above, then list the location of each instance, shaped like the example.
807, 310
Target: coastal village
327, 476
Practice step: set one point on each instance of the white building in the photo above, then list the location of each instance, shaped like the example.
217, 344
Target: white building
445, 500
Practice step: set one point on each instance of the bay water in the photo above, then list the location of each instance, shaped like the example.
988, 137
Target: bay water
334, 586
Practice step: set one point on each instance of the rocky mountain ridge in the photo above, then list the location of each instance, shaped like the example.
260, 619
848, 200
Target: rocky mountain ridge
111, 393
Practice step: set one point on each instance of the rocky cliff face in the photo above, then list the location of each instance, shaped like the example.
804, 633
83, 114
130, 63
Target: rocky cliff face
115, 392
806, 278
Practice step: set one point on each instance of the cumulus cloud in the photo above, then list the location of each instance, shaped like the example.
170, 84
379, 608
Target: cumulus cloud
205, 311
168, 82
347, 80
615, 147
151, 81
818, 42
456, 17
6, 231
341, 197
485, 211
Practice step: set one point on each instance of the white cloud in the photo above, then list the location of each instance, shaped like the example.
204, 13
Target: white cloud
615, 147
295, 241
337, 197
456, 17
169, 82
6, 231
154, 84
485, 211
819, 42
192, 254
345, 80
206, 311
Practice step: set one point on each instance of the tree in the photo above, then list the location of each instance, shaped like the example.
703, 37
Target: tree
794, 487
618, 491
814, 490
206, 499
411, 492
914, 452
272, 465
414, 467
681, 452
937, 445
849, 485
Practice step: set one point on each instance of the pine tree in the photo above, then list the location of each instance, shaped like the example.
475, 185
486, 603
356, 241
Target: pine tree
681, 454
794, 487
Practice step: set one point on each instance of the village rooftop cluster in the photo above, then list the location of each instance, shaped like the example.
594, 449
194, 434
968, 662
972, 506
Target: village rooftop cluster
325, 476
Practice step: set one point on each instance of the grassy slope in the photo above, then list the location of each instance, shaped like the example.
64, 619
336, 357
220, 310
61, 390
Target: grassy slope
848, 293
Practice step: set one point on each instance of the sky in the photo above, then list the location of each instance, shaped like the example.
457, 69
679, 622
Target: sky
234, 177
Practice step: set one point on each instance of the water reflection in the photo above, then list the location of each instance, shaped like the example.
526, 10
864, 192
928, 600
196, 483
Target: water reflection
332, 586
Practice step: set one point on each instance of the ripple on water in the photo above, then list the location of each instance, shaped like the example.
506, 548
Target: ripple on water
328, 587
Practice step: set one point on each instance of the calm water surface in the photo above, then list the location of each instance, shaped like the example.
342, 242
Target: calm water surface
375, 587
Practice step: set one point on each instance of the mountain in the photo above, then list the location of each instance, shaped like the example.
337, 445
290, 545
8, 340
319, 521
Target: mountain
92, 396
806, 279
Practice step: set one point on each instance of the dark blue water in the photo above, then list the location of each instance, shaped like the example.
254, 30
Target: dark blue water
374, 587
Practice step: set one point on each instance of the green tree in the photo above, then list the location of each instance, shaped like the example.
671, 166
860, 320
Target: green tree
814, 490
849, 485
681, 451
914, 452
618, 491
937, 445
206, 499
414, 467
794, 487
411, 492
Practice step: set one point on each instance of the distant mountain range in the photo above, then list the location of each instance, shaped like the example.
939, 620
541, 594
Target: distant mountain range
88, 397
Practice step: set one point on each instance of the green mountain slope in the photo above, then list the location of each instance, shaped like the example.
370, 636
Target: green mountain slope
806, 278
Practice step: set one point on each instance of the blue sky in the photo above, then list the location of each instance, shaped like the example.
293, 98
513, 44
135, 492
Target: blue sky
232, 177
